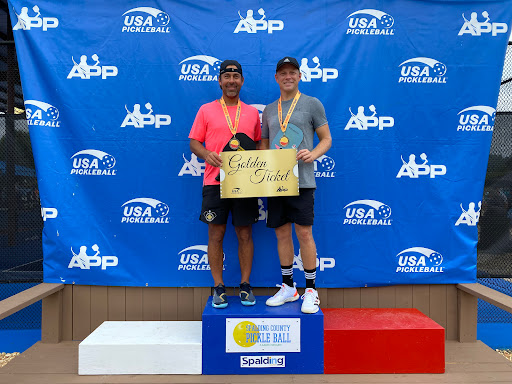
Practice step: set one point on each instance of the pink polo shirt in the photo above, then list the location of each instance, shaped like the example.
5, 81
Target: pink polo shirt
211, 128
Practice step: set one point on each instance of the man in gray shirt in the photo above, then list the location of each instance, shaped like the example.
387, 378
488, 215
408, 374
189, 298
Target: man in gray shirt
291, 122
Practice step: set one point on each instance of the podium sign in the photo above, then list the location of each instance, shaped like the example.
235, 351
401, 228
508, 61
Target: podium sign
262, 339
259, 173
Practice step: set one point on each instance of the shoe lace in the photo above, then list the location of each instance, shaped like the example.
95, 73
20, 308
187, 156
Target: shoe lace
220, 289
282, 289
245, 287
310, 296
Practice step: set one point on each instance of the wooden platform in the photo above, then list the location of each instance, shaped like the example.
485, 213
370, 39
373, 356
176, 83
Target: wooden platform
58, 363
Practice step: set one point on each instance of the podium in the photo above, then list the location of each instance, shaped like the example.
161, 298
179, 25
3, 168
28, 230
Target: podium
401, 340
262, 339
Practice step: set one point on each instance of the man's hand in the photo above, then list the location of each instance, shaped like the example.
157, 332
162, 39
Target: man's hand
306, 156
213, 158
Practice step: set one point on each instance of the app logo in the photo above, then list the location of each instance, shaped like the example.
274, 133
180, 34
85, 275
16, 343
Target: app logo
370, 22
362, 122
26, 22
194, 167
262, 211
273, 361
250, 25
146, 19
316, 72
322, 263
83, 261
85, 71
323, 166
469, 217
478, 118
48, 213
200, 68
474, 27
419, 260
413, 170
42, 114
195, 258
145, 211
93, 162
422, 70
139, 120
367, 212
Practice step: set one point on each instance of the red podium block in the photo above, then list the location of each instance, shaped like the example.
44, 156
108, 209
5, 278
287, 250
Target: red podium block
396, 340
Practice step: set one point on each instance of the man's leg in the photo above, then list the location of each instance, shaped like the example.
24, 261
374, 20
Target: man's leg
245, 251
287, 292
285, 244
308, 253
307, 245
215, 255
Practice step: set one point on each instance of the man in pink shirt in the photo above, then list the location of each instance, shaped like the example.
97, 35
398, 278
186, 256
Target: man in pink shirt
226, 123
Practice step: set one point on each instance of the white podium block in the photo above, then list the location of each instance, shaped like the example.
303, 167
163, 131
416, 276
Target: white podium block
142, 347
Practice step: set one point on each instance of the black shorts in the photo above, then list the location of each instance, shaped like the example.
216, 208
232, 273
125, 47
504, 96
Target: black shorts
292, 209
214, 210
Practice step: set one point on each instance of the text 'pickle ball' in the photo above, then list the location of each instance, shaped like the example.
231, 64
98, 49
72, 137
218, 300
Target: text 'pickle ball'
108, 161
162, 209
163, 19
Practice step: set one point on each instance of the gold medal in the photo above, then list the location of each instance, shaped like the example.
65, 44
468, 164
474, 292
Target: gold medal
284, 140
234, 144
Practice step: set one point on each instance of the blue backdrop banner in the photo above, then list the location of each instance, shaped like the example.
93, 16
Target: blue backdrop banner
112, 88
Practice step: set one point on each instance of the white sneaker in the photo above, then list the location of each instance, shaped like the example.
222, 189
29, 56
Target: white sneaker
311, 302
284, 295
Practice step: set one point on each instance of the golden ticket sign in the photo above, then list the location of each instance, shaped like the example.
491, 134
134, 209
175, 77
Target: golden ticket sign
259, 173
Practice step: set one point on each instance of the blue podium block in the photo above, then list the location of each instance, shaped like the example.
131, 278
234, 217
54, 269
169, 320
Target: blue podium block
262, 339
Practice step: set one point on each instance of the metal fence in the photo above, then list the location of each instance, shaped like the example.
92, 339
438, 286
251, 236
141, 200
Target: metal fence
20, 213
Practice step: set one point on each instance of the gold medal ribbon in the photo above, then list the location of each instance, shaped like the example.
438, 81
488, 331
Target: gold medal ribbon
289, 114
228, 118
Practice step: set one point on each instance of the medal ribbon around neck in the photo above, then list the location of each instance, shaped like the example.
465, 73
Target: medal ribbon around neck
233, 143
284, 124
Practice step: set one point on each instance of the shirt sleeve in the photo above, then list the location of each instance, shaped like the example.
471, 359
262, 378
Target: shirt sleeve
257, 128
318, 113
198, 131
264, 125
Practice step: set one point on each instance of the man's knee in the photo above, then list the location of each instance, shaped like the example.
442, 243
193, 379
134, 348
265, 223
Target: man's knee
304, 233
243, 233
284, 232
216, 232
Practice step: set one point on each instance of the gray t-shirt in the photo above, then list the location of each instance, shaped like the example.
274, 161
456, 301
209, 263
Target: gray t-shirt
308, 115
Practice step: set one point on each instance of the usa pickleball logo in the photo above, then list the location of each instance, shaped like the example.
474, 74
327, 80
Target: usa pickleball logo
195, 258
422, 70
419, 260
145, 210
41, 114
370, 22
199, 68
367, 212
146, 20
92, 162
479, 118
324, 166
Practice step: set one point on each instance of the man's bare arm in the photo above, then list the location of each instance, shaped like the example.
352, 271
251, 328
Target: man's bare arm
200, 151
